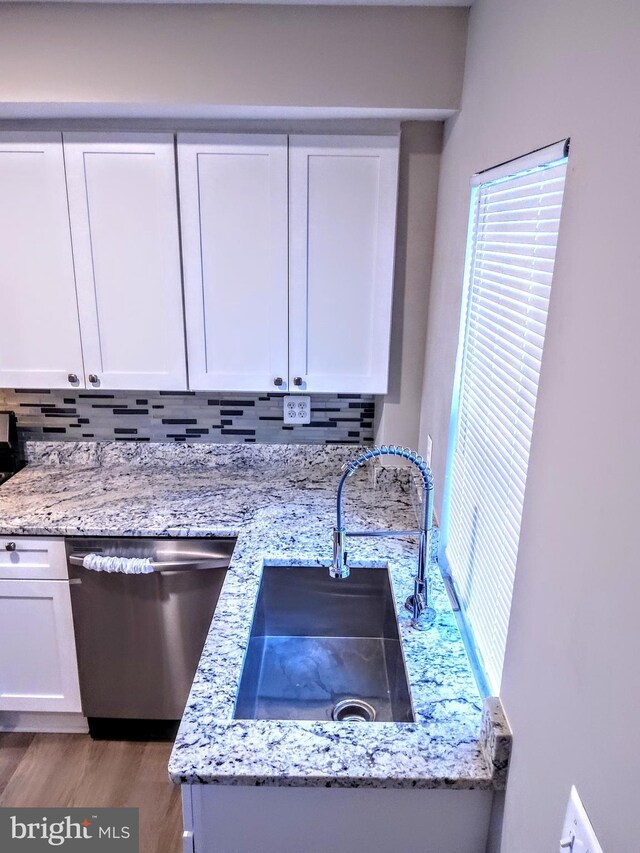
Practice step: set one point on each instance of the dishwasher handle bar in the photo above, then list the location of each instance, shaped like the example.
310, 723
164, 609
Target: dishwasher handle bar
168, 566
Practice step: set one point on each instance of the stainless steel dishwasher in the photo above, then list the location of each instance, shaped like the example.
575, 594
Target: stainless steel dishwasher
139, 636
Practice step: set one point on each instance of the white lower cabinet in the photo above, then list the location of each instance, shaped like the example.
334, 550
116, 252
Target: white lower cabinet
38, 665
247, 819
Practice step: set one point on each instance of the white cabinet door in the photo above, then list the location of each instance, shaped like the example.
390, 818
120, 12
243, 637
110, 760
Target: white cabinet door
124, 221
233, 205
39, 334
38, 668
342, 213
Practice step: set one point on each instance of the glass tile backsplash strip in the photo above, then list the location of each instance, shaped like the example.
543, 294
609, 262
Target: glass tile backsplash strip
190, 416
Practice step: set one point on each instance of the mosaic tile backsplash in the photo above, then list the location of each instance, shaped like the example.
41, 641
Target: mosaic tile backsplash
186, 416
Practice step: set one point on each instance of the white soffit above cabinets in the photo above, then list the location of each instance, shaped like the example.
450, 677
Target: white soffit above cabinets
88, 65
172, 112
271, 2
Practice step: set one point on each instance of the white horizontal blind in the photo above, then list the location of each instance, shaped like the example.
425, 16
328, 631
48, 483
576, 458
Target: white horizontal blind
510, 257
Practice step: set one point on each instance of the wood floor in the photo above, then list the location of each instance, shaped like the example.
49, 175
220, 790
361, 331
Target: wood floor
74, 770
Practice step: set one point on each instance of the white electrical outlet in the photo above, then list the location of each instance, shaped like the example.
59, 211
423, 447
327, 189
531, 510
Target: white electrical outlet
297, 410
577, 833
429, 451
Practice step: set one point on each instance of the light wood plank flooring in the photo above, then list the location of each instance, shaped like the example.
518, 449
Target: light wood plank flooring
74, 770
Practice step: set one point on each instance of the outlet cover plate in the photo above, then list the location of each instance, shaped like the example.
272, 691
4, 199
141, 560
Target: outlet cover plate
297, 409
578, 835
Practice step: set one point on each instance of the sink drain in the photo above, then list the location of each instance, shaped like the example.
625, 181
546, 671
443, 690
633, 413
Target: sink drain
353, 711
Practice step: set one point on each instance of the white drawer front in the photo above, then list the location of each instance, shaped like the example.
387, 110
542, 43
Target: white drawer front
24, 558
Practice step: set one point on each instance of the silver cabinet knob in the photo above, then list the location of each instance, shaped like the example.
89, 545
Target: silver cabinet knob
93, 379
297, 381
73, 378
10, 546
278, 381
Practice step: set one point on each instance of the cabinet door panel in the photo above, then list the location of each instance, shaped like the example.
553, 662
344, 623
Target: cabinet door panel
342, 194
40, 335
233, 203
38, 667
124, 219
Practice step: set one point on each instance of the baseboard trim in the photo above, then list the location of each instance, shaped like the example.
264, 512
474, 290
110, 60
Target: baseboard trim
32, 721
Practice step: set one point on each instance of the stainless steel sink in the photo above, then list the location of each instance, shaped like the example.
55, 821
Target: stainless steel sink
321, 649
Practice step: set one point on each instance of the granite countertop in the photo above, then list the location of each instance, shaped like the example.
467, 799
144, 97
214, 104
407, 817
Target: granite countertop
279, 501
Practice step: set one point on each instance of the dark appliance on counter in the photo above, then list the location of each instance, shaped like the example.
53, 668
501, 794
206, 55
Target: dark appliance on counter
139, 637
10, 460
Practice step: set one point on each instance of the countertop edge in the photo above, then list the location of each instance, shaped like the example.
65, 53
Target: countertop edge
496, 740
435, 782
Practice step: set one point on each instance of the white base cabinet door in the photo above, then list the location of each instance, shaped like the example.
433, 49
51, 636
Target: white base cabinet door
124, 220
342, 214
40, 336
38, 666
233, 204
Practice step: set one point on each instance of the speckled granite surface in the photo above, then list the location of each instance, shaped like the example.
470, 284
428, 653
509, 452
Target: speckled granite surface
280, 503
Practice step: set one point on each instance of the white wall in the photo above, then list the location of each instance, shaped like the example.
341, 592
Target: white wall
399, 410
212, 56
537, 72
197, 62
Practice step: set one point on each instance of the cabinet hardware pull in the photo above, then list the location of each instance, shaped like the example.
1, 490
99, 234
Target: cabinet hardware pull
10, 546
297, 381
277, 381
73, 378
93, 379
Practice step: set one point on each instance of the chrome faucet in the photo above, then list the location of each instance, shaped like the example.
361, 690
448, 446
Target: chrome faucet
419, 601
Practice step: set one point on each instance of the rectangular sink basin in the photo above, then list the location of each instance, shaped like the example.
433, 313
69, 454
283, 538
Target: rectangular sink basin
323, 649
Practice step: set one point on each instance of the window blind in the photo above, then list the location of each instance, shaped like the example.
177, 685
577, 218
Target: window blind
513, 230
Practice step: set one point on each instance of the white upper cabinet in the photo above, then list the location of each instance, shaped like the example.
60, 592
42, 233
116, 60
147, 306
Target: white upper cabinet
288, 260
39, 334
342, 214
233, 204
287, 255
124, 223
